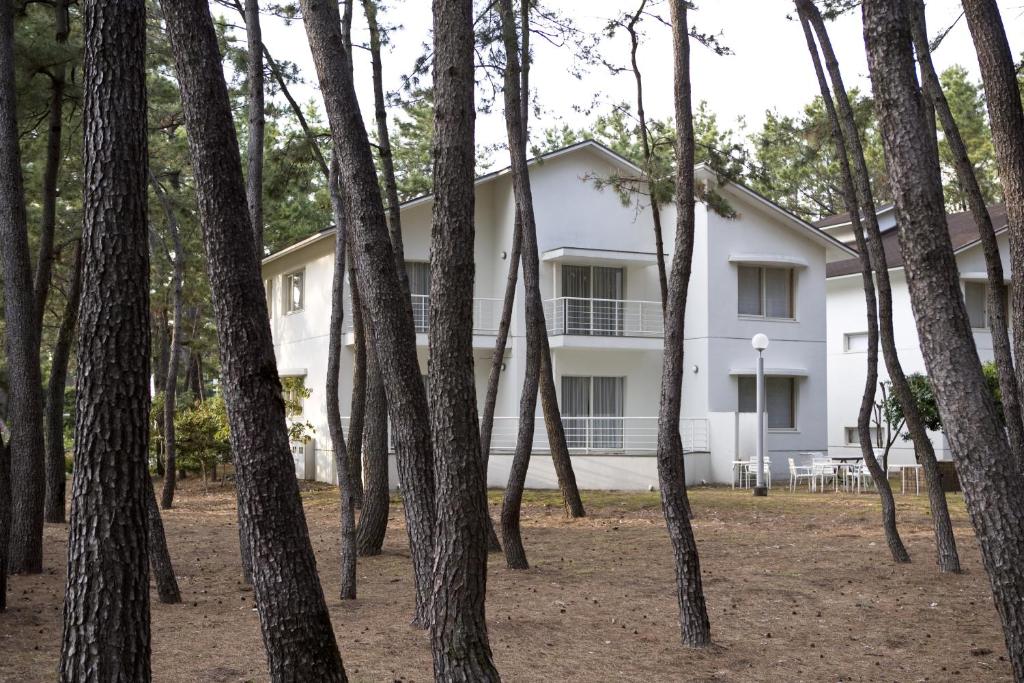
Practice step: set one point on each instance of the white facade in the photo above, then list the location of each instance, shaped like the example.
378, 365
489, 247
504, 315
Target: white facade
599, 283
847, 363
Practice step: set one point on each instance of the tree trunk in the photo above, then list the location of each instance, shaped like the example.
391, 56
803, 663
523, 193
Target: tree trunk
497, 361
25, 381
341, 461
254, 139
878, 474
174, 351
988, 469
296, 626
384, 302
5, 516
106, 601
1006, 119
373, 518
693, 613
48, 222
946, 553
159, 557
458, 627
646, 147
357, 412
56, 476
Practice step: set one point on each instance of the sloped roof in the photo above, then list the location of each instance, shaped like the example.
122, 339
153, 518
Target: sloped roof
963, 232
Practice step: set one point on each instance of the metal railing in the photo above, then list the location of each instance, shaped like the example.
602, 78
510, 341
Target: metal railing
612, 435
604, 317
486, 314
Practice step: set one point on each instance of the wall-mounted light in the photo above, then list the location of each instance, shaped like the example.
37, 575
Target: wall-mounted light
503, 367
696, 369
504, 255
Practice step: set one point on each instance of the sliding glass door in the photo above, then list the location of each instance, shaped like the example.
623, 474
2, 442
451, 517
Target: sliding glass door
593, 412
592, 300
419, 289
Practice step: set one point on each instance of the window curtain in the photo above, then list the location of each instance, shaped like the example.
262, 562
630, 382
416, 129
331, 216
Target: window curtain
778, 299
419, 288
575, 410
609, 404
974, 297
749, 290
576, 306
780, 400
608, 294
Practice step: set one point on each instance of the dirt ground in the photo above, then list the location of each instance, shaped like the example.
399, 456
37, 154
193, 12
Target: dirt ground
800, 587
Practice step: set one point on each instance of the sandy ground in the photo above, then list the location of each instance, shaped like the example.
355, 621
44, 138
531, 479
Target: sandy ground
799, 588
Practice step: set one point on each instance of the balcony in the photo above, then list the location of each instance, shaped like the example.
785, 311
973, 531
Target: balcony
486, 315
602, 435
604, 317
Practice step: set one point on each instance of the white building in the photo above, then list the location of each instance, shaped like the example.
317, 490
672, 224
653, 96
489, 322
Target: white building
763, 271
847, 326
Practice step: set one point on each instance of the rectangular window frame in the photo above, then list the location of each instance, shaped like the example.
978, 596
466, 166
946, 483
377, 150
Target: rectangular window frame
289, 305
852, 436
268, 288
846, 342
794, 399
763, 293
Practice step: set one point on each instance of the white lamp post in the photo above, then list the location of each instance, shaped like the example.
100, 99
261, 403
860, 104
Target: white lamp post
760, 343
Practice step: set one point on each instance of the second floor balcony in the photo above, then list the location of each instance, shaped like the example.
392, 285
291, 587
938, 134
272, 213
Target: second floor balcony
604, 317
486, 315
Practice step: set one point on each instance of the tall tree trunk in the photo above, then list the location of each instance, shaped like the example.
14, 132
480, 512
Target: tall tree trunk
5, 517
296, 626
159, 556
387, 161
357, 411
26, 396
646, 147
174, 351
48, 222
458, 626
341, 461
106, 600
1006, 119
996, 291
373, 518
254, 139
693, 613
384, 302
989, 471
56, 476
945, 543
879, 474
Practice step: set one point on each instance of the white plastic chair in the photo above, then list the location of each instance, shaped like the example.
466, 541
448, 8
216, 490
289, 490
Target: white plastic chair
797, 473
750, 473
824, 469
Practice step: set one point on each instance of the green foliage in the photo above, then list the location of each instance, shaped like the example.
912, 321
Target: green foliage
202, 435
967, 104
924, 397
294, 393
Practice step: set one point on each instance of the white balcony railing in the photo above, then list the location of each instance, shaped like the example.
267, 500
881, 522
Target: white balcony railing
622, 435
486, 314
604, 317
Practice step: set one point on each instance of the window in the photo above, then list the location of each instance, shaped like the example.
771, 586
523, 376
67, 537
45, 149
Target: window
592, 300
592, 411
268, 285
765, 292
780, 400
853, 437
294, 291
419, 289
975, 294
855, 341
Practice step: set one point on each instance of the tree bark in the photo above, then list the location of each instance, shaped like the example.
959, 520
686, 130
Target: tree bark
5, 517
174, 351
373, 518
458, 626
1006, 119
341, 461
25, 380
56, 476
996, 292
945, 543
296, 626
879, 474
48, 222
384, 302
693, 613
989, 471
159, 556
254, 139
357, 411
106, 601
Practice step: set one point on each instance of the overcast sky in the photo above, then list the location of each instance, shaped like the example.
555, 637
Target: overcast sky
769, 69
